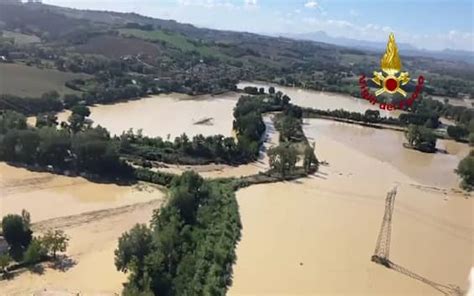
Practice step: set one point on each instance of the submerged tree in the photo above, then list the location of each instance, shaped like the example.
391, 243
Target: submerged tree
16, 231
466, 171
310, 161
421, 138
55, 241
283, 159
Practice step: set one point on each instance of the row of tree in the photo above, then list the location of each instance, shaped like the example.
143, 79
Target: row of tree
198, 150
76, 146
283, 159
189, 247
370, 116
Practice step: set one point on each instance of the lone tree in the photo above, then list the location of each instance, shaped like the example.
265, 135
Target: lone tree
55, 241
310, 161
466, 171
16, 231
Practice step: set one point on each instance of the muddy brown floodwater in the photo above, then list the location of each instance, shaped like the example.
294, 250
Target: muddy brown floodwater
170, 114
316, 236
93, 215
313, 236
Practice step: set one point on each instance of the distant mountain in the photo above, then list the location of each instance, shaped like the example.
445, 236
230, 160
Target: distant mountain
408, 49
322, 36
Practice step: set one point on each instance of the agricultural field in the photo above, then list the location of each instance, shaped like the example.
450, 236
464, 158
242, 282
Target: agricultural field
25, 81
174, 39
19, 38
115, 47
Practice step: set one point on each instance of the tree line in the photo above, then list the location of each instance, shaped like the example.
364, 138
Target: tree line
189, 246
369, 116
245, 147
76, 147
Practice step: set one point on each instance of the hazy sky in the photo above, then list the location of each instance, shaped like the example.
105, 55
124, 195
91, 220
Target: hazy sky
436, 24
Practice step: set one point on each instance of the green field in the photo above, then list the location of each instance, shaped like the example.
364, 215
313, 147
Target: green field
176, 40
21, 80
21, 39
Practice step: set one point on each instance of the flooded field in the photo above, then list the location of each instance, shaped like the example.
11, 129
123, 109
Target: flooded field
435, 169
318, 99
93, 215
171, 114
48, 196
316, 236
309, 237
227, 171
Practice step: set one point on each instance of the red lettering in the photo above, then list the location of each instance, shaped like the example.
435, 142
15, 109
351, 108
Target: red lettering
390, 107
421, 80
365, 94
383, 106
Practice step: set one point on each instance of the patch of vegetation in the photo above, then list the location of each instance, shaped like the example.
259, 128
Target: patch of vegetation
189, 247
248, 125
421, 138
466, 171
25, 81
19, 38
24, 249
75, 147
458, 133
370, 116
176, 40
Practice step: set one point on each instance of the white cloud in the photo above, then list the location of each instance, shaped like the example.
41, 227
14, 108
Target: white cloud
311, 4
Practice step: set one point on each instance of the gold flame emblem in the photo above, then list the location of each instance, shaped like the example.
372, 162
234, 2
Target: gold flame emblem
391, 65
